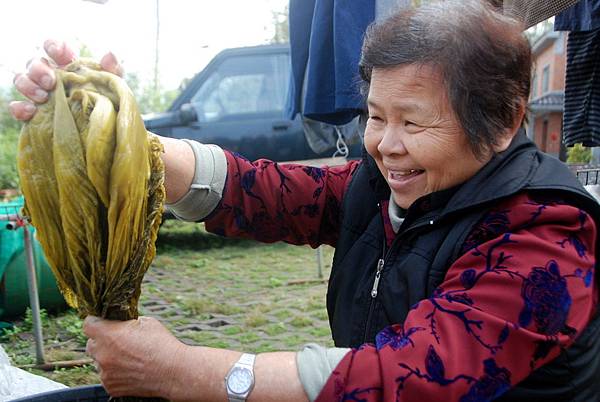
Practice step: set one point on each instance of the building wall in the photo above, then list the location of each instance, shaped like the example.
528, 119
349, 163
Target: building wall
551, 144
553, 56
557, 81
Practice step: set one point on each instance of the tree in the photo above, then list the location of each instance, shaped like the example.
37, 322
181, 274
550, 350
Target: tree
281, 24
578, 154
151, 98
9, 137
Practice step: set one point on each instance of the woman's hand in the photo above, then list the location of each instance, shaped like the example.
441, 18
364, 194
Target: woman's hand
39, 78
135, 358
141, 358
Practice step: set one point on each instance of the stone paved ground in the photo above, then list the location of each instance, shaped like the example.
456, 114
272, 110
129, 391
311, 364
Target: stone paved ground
247, 297
241, 295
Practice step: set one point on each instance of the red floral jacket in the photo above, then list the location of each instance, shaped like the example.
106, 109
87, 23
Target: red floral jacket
506, 306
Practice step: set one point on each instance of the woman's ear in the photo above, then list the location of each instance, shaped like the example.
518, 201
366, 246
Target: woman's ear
507, 136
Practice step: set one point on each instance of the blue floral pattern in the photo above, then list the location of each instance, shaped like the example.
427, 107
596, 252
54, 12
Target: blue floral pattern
492, 224
395, 337
547, 299
494, 382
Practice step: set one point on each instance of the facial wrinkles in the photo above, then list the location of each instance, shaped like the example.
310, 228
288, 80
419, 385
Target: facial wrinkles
438, 150
439, 132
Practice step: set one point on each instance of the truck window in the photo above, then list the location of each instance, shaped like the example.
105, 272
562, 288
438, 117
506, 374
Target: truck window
254, 84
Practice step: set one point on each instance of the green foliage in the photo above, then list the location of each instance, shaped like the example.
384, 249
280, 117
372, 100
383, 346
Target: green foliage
13, 334
9, 177
8, 335
28, 320
7, 122
9, 137
150, 99
72, 325
579, 154
175, 234
74, 376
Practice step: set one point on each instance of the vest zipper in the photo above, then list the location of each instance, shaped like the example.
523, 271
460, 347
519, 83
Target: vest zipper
379, 270
375, 288
380, 265
375, 292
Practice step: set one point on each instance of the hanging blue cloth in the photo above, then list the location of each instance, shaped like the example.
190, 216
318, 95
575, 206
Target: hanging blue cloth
325, 40
581, 112
583, 16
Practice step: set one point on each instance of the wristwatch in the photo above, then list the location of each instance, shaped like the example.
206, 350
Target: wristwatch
240, 379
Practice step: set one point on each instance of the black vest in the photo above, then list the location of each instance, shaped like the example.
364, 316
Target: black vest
430, 240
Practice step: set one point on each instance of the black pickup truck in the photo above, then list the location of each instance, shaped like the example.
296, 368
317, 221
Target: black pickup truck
237, 102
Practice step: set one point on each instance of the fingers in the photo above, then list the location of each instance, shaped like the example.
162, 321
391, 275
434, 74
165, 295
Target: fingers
146, 320
62, 55
90, 348
22, 110
90, 325
30, 89
34, 85
59, 52
40, 77
110, 63
40, 73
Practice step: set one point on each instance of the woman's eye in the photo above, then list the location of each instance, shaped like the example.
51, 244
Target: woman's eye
376, 118
409, 123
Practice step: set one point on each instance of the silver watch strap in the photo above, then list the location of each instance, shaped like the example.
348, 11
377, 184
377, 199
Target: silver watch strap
247, 359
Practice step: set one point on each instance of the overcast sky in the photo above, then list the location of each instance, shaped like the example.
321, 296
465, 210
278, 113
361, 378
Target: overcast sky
191, 31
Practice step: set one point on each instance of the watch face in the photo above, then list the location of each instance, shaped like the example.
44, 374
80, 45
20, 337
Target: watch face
240, 380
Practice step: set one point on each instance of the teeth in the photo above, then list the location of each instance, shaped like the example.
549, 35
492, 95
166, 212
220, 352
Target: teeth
405, 172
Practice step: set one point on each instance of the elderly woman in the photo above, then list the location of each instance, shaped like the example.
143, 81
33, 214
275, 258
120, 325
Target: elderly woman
465, 258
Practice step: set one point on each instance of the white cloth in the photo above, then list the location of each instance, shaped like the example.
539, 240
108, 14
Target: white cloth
16, 383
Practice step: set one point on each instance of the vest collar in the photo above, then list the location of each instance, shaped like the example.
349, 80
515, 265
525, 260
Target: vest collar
505, 174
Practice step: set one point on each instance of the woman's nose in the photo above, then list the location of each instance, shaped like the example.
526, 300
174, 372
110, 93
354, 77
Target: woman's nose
392, 141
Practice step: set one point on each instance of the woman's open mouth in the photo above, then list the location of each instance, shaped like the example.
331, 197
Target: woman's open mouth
400, 178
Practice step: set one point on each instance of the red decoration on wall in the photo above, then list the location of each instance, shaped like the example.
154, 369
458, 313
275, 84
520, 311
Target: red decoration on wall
554, 137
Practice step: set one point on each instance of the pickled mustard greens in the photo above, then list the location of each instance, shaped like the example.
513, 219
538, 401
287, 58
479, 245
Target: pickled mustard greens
92, 178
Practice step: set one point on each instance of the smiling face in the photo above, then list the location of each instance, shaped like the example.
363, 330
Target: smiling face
413, 135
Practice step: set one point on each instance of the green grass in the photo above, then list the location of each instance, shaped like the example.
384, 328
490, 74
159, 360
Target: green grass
234, 330
255, 319
76, 375
201, 306
301, 321
275, 329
